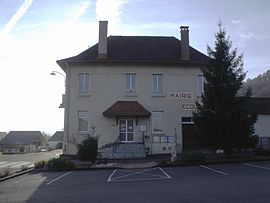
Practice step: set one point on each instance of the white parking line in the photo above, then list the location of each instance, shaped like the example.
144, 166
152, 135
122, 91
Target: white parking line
109, 179
131, 173
165, 172
255, 166
216, 171
59, 177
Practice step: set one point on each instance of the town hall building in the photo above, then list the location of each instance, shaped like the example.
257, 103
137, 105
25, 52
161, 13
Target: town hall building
136, 93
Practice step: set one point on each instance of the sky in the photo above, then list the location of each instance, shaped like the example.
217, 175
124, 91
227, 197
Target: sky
35, 33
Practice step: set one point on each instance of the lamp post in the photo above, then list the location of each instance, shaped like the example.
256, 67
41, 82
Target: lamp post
54, 73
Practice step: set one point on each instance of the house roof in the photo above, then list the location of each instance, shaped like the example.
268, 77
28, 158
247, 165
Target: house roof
126, 108
139, 49
260, 105
2, 135
22, 137
57, 136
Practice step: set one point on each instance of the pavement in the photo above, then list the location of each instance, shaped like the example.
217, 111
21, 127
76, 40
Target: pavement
12, 165
126, 165
237, 182
11, 169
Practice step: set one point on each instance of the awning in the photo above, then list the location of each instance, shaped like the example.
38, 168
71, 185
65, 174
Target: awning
126, 108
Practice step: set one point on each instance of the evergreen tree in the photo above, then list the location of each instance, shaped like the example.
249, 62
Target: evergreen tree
223, 119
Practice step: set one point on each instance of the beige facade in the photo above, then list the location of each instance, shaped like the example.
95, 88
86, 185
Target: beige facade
107, 85
152, 82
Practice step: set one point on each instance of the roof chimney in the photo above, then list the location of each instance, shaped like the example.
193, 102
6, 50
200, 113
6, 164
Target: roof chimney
185, 52
102, 41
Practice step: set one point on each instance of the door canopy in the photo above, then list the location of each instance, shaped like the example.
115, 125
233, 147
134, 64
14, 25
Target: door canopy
126, 109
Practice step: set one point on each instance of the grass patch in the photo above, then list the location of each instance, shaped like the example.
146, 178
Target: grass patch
41, 164
55, 163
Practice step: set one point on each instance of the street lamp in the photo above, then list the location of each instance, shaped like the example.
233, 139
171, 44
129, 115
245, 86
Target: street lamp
56, 72
62, 105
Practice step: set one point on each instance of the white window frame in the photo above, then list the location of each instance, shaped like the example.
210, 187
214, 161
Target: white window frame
190, 120
130, 83
84, 90
200, 85
84, 117
126, 132
157, 84
153, 119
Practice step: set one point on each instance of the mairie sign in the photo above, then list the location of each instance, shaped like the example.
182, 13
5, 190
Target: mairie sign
181, 95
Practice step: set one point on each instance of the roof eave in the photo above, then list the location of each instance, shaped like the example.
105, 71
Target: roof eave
62, 63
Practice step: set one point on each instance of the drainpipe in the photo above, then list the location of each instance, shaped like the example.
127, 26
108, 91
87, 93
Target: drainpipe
66, 119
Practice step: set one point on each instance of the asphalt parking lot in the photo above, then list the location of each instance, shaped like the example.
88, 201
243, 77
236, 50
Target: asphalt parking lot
240, 182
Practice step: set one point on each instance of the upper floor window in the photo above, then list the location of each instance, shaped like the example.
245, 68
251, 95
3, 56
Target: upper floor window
200, 85
130, 83
83, 121
158, 84
84, 84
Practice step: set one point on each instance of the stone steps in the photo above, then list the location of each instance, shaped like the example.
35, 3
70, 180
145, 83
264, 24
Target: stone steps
123, 151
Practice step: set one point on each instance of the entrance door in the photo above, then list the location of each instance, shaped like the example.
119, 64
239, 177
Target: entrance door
126, 130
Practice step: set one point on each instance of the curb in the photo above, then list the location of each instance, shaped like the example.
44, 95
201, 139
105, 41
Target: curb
16, 174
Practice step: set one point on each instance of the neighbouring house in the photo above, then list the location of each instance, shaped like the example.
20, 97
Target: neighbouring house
23, 142
56, 141
261, 106
2, 135
137, 93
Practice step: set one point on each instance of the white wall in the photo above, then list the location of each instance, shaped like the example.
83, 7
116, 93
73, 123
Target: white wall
108, 86
262, 125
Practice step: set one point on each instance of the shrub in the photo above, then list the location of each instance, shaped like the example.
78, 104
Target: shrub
41, 164
193, 157
87, 150
60, 163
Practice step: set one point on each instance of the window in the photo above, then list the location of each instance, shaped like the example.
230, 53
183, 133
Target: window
157, 122
83, 121
130, 83
200, 85
187, 120
157, 84
84, 84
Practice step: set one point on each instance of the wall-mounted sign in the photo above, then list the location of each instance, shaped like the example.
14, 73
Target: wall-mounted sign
188, 106
181, 95
142, 128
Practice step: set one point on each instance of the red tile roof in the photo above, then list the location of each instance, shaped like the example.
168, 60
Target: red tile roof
146, 49
126, 108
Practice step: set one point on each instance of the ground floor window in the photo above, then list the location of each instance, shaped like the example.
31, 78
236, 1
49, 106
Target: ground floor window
187, 120
126, 130
157, 122
83, 117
